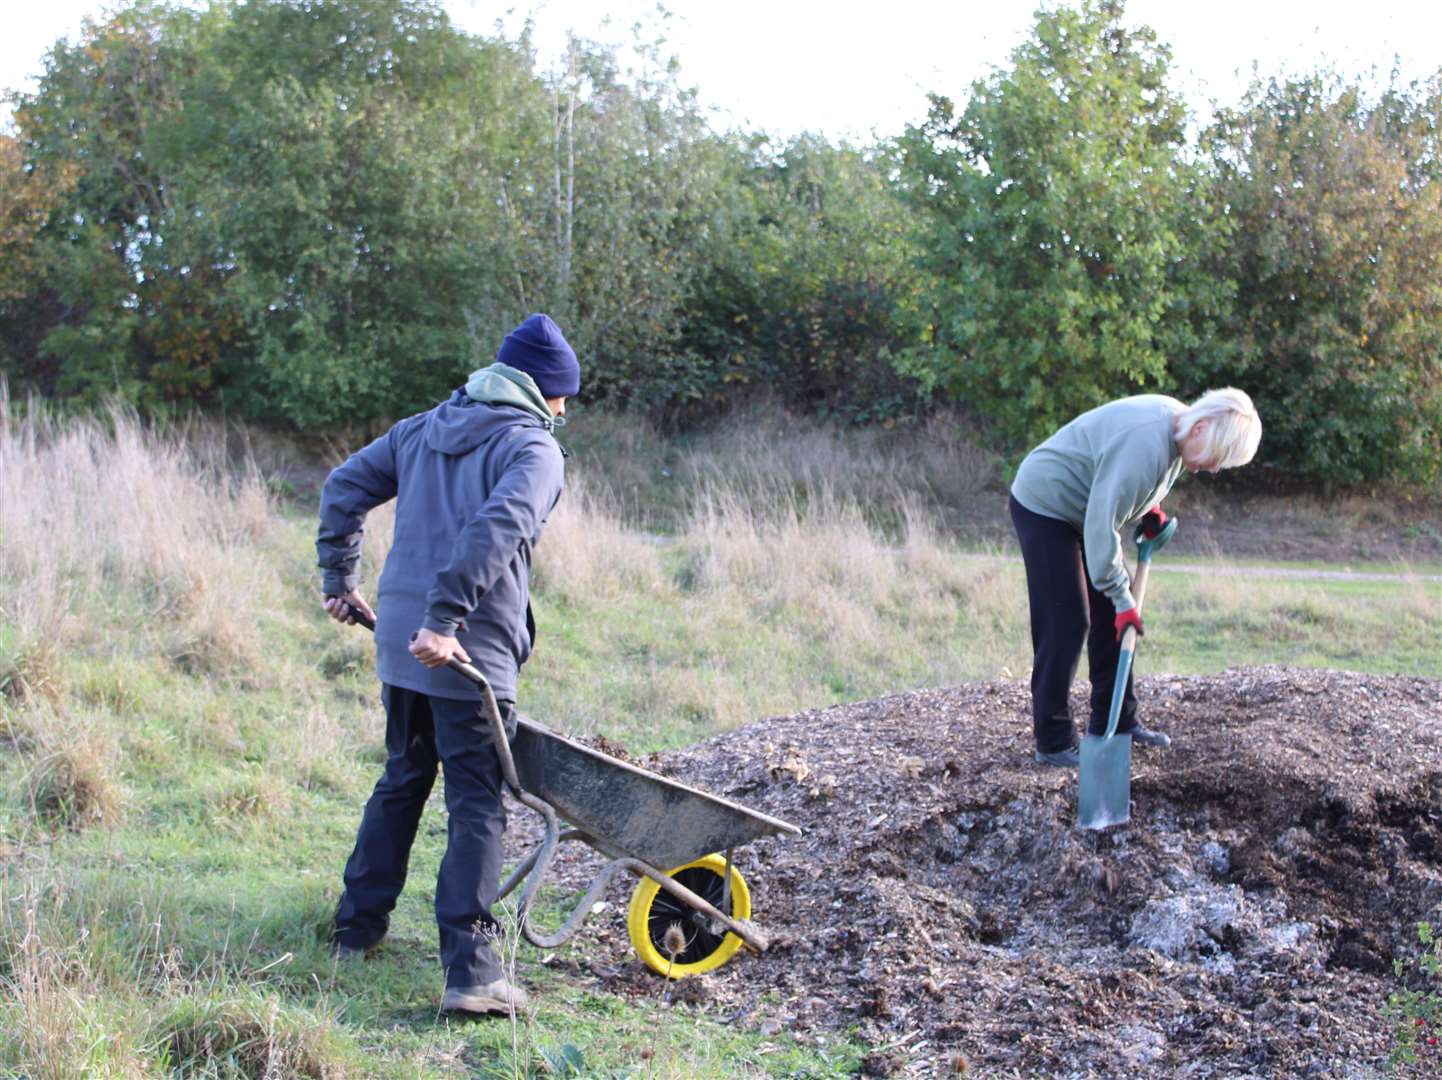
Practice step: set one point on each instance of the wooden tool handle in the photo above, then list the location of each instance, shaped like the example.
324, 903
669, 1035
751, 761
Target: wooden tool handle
1139, 583
1139, 591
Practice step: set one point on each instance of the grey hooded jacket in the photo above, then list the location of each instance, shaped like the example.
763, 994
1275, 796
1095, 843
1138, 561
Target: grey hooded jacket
474, 484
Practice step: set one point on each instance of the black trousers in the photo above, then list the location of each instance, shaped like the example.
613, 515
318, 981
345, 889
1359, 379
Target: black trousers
420, 731
1066, 611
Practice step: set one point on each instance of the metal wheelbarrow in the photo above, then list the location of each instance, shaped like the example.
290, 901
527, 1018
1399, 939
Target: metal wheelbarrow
677, 839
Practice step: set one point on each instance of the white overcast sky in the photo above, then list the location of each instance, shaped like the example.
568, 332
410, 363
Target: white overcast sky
849, 68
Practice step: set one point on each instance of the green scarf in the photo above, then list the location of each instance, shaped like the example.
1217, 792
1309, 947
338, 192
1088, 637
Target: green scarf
501, 384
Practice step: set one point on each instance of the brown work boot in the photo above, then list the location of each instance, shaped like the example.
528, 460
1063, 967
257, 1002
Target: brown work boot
497, 996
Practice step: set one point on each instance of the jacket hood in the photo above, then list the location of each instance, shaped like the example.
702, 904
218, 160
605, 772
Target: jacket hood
501, 384
460, 424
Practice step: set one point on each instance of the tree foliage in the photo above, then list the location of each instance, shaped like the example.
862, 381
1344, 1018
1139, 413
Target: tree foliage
1058, 220
1336, 213
102, 117
29, 195
808, 291
330, 211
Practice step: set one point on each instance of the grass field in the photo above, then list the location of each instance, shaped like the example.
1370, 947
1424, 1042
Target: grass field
186, 742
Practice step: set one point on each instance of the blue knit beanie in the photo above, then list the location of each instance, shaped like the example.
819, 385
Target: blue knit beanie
538, 348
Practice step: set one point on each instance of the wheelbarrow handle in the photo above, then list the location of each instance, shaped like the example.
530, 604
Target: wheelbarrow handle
459, 666
493, 711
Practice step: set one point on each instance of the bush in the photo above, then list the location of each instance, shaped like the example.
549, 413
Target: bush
1335, 205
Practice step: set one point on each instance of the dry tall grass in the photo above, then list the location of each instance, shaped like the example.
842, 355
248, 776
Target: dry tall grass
73, 765
769, 451
100, 512
857, 592
775, 591
39, 987
650, 480
587, 550
122, 541
81, 996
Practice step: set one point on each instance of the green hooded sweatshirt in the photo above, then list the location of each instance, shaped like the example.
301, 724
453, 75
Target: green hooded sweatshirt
1103, 471
501, 384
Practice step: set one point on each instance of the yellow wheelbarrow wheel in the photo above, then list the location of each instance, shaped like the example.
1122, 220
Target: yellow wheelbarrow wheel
653, 911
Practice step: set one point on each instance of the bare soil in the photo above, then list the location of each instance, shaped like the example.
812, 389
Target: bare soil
943, 908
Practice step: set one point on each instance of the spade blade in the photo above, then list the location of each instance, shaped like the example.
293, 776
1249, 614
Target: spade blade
1104, 784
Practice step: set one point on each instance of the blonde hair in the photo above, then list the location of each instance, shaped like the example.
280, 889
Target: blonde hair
1234, 429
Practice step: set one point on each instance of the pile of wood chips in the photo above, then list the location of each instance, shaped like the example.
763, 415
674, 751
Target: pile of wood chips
942, 905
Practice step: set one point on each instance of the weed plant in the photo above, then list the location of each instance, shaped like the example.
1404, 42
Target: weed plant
1415, 1007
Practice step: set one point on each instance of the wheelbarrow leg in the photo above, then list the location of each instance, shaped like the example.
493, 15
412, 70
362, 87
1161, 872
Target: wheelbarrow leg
539, 861
579, 912
519, 873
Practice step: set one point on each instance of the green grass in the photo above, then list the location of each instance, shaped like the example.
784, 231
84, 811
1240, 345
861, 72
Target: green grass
669, 667
186, 743
1422, 567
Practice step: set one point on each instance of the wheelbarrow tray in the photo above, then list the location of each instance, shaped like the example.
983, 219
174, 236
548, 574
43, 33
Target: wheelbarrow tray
629, 809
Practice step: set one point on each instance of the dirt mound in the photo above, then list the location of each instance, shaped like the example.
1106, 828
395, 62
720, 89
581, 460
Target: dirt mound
942, 903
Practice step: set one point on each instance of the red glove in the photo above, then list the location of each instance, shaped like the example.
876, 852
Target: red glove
1129, 617
1153, 521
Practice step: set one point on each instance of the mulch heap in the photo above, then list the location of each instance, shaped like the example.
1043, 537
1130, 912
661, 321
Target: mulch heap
942, 906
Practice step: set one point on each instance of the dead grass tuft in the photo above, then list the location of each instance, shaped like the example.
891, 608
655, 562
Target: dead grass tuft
878, 468
259, 796
317, 749
213, 646
101, 509
254, 1035
586, 549
30, 674
94, 982
47, 990
71, 780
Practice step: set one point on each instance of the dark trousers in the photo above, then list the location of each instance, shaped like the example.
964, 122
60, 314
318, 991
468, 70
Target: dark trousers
1065, 612
420, 731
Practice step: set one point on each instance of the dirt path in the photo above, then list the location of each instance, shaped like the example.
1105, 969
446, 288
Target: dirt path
1162, 566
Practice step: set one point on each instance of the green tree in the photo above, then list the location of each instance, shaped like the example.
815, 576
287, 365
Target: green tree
101, 117
1059, 225
1336, 212
28, 307
332, 211
609, 199
326, 140
810, 288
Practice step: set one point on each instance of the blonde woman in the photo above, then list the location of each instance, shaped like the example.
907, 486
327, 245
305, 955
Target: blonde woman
1072, 497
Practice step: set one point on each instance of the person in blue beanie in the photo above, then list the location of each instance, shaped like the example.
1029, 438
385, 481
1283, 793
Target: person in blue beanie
474, 480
